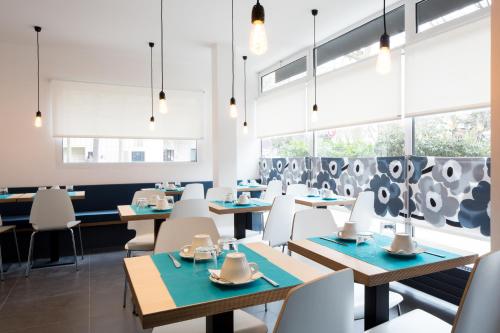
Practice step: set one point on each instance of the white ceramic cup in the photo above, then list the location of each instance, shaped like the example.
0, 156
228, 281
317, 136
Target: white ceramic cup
313, 191
403, 242
55, 187
253, 182
243, 199
200, 240
327, 193
153, 199
162, 203
229, 197
237, 269
349, 231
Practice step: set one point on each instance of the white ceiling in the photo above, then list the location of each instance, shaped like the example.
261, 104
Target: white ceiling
127, 25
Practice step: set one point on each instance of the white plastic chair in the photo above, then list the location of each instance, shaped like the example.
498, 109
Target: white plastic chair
4, 229
279, 222
320, 306
173, 235
320, 222
274, 189
193, 191
190, 208
363, 212
296, 190
478, 310
52, 210
219, 193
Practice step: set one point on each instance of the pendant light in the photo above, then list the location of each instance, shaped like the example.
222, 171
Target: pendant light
163, 100
258, 36
152, 119
384, 54
38, 116
314, 116
233, 110
245, 125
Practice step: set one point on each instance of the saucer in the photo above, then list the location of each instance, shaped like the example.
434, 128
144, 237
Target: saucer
236, 203
214, 273
351, 238
401, 253
312, 196
190, 255
153, 207
329, 199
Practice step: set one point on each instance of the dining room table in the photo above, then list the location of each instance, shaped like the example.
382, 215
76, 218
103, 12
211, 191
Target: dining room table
174, 192
137, 213
164, 294
251, 188
243, 218
316, 201
29, 197
375, 267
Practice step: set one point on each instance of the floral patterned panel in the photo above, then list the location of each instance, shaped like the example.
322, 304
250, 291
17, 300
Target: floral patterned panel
441, 191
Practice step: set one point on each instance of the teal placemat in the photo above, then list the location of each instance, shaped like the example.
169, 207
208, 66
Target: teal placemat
372, 253
148, 210
320, 199
188, 287
5, 196
232, 205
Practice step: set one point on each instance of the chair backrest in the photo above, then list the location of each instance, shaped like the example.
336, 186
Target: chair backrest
175, 233
363, 210
190, 208
313, 223
147, 194
144, 226
296, 190
279, 222
219, 193
51, 209
274, 189
478, 310
193, 191
324, 305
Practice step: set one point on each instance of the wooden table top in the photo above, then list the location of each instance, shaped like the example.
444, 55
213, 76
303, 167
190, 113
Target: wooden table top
371, 275
221, 210
248, 188
11, 198
177, 191
29, 197
156, 306
318, 202
127, 213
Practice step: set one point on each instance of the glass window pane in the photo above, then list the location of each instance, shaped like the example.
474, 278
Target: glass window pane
431, 13
380, 139
283, 75
457, 134
299, 145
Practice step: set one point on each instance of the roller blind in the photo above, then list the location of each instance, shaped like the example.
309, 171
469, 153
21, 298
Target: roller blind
357, 94
110, 111
282, 111
450, 71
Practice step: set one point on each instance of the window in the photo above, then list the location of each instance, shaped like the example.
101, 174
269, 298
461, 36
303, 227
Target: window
380, 139
361, 42
99, 150
432, 13
457, 134
283, 75
298, 145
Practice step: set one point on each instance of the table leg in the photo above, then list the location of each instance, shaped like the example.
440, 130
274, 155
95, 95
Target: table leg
158, 223
240, 224
54, 246
376, 305
221, 323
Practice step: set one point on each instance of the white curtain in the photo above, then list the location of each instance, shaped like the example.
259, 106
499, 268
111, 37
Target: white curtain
111, 111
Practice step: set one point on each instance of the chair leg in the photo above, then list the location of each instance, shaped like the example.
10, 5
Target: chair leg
17, 246
74, 248
265, 307
30, 254
125, 287
399, 310
80, 236
1, 265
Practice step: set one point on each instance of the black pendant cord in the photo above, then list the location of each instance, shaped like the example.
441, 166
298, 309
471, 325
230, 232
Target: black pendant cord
314, 12
161, 44
385, 25
245, 86
38, 68
232, 46
151, 45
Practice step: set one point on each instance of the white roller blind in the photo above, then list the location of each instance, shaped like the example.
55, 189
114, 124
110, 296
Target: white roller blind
110, 111
282, 111
450, 71
357, 94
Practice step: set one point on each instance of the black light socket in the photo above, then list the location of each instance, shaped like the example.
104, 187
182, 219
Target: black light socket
315, 107
314, 12
162, 94
385, 41
245, 57
245, 124
152, 119
38, 114
232, 101
37, 28
258, 13
151, 44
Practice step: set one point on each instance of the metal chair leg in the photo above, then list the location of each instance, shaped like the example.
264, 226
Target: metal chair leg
125, 287
17, 246
74, 248
30, 254
81, 243
265, 307
399, 310
1, 265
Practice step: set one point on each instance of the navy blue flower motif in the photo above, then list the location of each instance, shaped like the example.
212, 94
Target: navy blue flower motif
392, 167
416, 165
387, 194
333, 166
488, 165
279, 164
274, 175
476, 212
305, 178
323, 180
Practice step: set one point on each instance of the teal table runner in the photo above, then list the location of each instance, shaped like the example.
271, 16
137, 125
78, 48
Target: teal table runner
372, 253
188, 287
148, 210
72, 194
5, 196
232, 205
320, 199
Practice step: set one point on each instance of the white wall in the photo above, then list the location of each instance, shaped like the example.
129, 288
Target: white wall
495, 126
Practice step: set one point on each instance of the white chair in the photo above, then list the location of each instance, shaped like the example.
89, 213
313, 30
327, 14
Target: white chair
219, 193
52, 210
172, 236
320, 306
296, 190
193, 191
274, 189
4, 229
478, 310
224, 222
363, 211
320, 222
190, 208
278, 226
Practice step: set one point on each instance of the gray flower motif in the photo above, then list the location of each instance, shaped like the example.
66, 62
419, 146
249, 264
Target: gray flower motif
323, 180
434, 202
454, 174
392, 167
305, 178
334, 166
279, 164
387, 196
296, 166
348, 187
362, 169
315, 165
476, 212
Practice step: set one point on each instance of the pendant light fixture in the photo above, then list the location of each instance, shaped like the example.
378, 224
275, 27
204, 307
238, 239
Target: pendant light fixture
38, 116
245, 125
314, 116
233, 110
163, 100
384, 54
152, 119
258, 36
